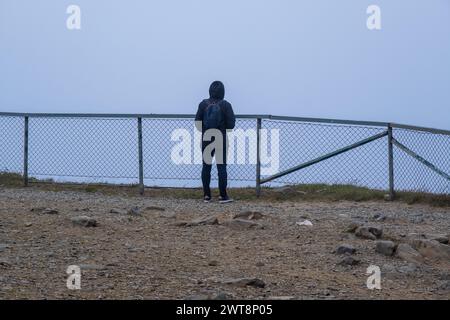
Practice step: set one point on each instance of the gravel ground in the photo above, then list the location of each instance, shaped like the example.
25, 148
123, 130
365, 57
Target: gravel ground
150, 253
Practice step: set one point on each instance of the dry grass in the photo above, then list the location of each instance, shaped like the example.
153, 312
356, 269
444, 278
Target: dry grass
315, 192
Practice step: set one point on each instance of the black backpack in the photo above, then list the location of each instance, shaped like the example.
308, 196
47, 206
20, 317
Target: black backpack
213, 116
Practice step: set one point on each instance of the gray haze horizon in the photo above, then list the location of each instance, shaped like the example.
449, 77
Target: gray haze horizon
308, 59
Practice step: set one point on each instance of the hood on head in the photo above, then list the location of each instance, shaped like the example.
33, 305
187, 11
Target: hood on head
217, 90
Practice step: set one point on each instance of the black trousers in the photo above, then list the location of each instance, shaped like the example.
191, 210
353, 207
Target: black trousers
221, 168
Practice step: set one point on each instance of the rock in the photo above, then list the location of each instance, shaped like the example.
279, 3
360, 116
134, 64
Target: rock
45, 211
116, 211
368, 232
243, 282
213, 263
441, 238
407, 253
353, 226
210, 296
197, 297
3, 247
84, 221
28, 224
345, 249
203, 221
134, 211
379, 217
5, 264
408, 269
249, 215
240, 224
223, 296
444, 286
417, 219
432, 249
349, 261
282, 298
154, 208
306, 223
385, 247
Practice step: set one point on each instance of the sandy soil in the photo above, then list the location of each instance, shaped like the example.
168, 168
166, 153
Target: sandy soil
152, 255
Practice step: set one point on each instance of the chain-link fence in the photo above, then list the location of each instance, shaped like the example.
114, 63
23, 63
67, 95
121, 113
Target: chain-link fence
164, 150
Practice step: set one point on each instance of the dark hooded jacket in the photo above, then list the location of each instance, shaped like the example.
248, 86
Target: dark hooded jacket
217, 94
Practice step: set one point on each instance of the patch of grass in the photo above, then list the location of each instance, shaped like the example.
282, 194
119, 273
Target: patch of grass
309, 192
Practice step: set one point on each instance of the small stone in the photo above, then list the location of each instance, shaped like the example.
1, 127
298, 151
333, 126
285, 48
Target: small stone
282, 298
240, 224
368, 232
213, 263
223, 296
28, 224
203, 222
154, 208
242, 282
408, 269
385, 247
116, 211
3, 247
345, 249
249, 215
260, 264
5, 264
349, 261
45, 211
353, 226
84, 221
134, 211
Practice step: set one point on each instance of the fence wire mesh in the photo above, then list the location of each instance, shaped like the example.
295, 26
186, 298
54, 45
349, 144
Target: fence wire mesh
83, 148
301, 142
411, 174
11, 144
106, 149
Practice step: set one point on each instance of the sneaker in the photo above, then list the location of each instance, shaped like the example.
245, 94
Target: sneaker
223, 200
207, 199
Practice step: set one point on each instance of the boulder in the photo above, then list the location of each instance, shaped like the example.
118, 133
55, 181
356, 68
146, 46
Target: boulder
432, 249
407, 253
385, 247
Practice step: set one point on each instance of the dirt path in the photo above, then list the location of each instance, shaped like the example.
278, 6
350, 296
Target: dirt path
152, 255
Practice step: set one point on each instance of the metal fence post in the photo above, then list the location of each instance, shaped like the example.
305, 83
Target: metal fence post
25, 152
391, 164
141, 158
258, 156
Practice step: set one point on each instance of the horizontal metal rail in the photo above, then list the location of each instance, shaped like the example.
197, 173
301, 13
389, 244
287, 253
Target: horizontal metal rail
420, 159
423, 129
326, 157
242, 116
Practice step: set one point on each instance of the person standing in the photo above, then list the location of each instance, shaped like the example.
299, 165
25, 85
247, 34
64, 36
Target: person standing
217, 115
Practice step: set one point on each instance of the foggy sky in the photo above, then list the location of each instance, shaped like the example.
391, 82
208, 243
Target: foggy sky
284, 57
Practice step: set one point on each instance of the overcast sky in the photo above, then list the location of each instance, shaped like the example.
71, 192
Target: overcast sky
286, 57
